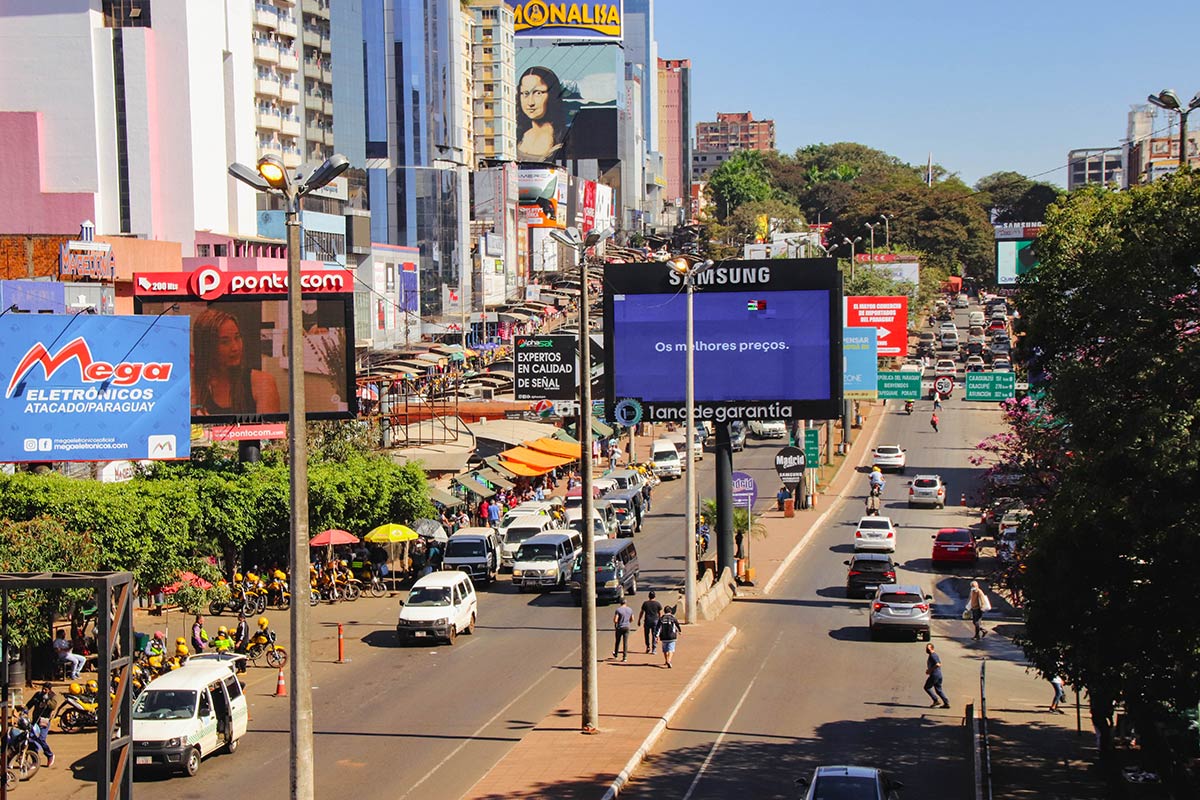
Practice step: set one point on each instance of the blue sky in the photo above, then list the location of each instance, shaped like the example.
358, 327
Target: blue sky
984, 86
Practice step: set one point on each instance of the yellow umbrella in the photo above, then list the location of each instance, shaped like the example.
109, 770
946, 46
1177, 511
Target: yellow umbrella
390, 533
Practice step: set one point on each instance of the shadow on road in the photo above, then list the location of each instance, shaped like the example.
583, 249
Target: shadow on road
851, 633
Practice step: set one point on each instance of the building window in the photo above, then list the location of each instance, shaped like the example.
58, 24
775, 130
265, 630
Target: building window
220, 250
202, 251
127, 13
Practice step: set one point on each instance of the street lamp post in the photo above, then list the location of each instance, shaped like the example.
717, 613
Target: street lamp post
589, 685
852, 243
871, 226
272, 178
887, 232
1167, 99
689, 269
847, 438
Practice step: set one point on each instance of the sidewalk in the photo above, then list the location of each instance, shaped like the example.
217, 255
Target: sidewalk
639, 698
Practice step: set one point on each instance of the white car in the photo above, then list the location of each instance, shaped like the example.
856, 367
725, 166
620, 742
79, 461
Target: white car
948, 327
772, 429
889, 456
927, 490
875, 533
1001, 365
945, 366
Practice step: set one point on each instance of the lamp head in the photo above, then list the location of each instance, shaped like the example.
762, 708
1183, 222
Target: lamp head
561, 237
272, 171
1195, 102
332, 167
249, 177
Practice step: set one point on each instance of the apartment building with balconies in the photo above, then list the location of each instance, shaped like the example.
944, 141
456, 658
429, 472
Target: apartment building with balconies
493, 71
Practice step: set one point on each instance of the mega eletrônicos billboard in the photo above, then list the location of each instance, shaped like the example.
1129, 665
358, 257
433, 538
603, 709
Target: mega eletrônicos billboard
94, 388
568, 99
239, 358
767, 340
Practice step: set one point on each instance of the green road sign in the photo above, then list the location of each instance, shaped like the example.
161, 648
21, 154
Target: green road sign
812, 447
991, 387
899, 385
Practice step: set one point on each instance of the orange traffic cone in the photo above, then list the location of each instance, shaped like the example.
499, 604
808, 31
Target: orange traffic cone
281, 685
962, 499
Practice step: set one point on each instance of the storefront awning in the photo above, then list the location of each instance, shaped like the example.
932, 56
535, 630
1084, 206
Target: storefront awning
499, 467
442, 497
494, 478
563, 436
532, 458
524, 470
555, 447
474, 487
433, 358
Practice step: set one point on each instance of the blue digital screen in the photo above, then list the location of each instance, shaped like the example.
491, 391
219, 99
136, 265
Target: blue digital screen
749, 346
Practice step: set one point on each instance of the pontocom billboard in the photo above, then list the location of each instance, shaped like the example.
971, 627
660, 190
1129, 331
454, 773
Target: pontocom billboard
88, 388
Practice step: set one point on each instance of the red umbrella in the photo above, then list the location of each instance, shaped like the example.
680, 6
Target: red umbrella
332, 538
187, 579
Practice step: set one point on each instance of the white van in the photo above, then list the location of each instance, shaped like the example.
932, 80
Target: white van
666, 459
517, 531
440, 605
599, 523
546, 560
187, 714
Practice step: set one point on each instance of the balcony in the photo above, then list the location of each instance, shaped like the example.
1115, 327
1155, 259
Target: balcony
266, 87
287, 27
266, 17
329, 138
312, 69
290, 126
326, 75
289, 93
314, 134
266, 53
311, 38
291, 158
327, 107
312, 101
319, 8
288, 62
267, 121
269, 148
326, 46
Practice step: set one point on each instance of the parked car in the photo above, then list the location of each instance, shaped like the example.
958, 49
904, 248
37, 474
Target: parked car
475, 551
867, 572
994, 511
901, 608
768, 429
889, 456
850, 783
875, 533
954, 544
927, 490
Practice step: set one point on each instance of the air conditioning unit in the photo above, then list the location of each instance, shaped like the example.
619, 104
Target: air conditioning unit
487, 394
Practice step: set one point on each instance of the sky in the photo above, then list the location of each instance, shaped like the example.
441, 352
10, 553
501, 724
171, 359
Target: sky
983, 86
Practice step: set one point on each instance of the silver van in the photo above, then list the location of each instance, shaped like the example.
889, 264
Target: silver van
545, 560
475, 551
518, 531
948, 340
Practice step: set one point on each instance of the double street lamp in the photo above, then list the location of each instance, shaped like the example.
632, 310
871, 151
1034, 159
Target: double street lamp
1167, 99
887, 231
871, 226
271, 177
852, 243
589, 688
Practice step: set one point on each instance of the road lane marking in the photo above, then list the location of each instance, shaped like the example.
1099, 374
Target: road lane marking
729, 722
483, 727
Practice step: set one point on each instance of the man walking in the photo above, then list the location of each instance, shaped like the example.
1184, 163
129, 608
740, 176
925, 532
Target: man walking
668, 634
933, 679
622, 617
648, 618
933, 422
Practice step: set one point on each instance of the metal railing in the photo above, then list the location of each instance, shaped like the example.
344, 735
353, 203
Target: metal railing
983, 779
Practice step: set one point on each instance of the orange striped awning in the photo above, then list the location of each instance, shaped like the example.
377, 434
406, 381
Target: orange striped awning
533, 458
555, 447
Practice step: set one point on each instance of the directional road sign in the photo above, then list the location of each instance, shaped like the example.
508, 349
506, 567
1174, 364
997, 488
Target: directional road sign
899, 385
812, 447
991, 387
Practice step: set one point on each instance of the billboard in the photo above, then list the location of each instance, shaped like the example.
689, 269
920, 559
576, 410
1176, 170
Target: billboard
1014, 257
887, 316
767, 340
544, 367
542, 19
239, 337
542, 196
860, 363
94, 388
568, 100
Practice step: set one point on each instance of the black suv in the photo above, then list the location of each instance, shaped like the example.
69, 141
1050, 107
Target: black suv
867, 571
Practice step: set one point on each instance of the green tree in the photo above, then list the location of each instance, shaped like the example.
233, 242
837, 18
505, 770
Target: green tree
1011, 197
43, 545
1111, 333
744, 178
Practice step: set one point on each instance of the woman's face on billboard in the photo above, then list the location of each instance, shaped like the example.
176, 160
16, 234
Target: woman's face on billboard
533, 92
229, 344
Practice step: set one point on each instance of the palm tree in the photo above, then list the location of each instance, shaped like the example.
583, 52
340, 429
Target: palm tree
741, 522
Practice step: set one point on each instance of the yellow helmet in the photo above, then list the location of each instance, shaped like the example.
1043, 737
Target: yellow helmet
182, 650
280, 575
237, 576
156, 661
222, 630
345, 563
93, 687
75, 688
876, 469
262, 622
181, 640
250, 576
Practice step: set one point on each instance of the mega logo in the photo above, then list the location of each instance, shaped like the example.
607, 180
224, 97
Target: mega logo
125, 373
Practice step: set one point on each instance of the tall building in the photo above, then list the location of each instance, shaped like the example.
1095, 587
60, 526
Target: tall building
674, 127
493, 61
641, 48
736, 132
1095, 165
1152, 144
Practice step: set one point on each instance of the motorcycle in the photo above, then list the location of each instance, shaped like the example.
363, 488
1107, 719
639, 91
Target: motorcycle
78, 710
908, 407
873, 501
263, 643
21, 754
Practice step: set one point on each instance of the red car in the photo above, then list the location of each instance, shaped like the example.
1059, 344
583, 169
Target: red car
954, 544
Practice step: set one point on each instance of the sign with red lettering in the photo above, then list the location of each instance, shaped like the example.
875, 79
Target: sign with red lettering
210, 283
887, 315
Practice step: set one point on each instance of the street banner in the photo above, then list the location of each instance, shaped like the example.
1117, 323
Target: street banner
94, 388
899, 385
860, 364
745, 490
887, 315
991, 387
544, 367
789, 464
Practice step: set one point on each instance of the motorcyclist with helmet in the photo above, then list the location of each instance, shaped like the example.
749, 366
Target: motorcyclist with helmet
876, 490
157, 646
222, 643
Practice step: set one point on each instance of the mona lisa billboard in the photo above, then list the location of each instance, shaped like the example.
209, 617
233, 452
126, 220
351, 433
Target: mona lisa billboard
568, 102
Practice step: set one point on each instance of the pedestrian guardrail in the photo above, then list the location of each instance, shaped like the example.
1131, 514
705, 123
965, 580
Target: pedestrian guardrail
983, 772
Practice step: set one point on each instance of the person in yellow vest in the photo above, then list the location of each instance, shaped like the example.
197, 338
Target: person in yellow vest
223, 643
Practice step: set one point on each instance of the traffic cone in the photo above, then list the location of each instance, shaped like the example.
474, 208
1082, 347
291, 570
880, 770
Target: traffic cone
281, 685
962, 499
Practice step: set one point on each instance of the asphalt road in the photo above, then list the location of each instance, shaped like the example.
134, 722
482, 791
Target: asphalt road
423, 722
802, 684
